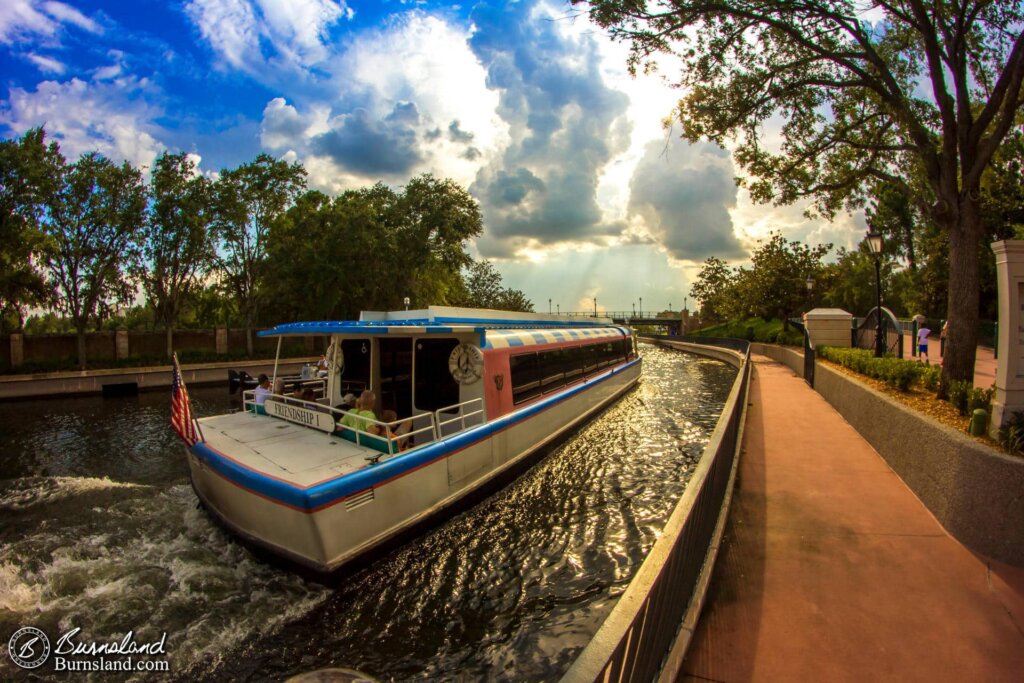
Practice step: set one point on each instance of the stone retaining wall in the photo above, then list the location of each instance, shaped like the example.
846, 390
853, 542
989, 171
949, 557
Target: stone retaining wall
976, 492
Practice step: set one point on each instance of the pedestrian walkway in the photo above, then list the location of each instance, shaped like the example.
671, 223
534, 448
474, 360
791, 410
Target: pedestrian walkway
984, 359
832, 570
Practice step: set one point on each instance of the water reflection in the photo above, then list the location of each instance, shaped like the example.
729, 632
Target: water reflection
102, 531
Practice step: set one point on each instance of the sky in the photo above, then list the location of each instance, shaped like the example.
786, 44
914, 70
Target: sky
583, 190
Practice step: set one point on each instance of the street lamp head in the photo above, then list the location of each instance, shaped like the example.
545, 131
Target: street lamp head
810, 283
875, 242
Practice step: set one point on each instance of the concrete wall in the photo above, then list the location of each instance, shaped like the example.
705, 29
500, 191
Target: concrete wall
58, 384
976, 492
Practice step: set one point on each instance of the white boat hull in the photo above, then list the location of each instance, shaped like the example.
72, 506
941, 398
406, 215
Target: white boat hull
327, 524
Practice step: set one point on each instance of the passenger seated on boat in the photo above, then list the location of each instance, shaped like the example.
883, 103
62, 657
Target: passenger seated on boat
400, 429
348, 402
279, 386
354, 418
261, 393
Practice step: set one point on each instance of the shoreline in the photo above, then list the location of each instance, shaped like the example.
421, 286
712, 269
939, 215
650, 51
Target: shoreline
128, 381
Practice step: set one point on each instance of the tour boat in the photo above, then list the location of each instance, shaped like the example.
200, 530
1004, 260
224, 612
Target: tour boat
475, 393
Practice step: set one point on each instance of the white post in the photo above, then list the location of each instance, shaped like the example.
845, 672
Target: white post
277, 357
1009, 397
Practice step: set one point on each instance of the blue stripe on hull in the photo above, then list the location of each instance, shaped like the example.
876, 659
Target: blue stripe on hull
335, 490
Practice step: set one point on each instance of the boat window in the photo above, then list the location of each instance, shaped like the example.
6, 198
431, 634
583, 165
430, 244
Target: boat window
355, 376
396, 375
434, 385
525, 373
552, 369
574, 359
590, 358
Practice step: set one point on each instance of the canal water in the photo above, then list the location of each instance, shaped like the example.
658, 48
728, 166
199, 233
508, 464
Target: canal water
99, 529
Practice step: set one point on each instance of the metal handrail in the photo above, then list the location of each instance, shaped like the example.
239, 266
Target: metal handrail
644, 628
460, 417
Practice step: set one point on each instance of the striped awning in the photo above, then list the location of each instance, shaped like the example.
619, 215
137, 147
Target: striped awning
502, 339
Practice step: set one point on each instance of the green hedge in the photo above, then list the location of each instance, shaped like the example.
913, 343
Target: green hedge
903, 374
755, 330
896, 372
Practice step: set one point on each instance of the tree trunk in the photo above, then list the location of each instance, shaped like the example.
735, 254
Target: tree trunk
962, 308
248, 339
170, 340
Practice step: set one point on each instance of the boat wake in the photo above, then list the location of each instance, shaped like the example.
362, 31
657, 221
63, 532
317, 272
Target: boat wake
114, 557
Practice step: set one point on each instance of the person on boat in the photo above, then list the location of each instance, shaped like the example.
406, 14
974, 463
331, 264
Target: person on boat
355, 419
279, 386
348, 402
396, 432
261, 393
321, 366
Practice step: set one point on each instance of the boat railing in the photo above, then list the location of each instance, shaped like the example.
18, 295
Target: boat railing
464, 412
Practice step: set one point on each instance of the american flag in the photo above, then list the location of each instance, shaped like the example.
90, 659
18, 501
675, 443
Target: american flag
181, 408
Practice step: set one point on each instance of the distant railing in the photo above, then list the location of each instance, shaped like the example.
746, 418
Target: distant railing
647, 626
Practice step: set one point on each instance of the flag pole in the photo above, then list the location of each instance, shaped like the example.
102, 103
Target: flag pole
195, 420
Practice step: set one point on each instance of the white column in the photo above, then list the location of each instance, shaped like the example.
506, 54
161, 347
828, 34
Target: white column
1009, 397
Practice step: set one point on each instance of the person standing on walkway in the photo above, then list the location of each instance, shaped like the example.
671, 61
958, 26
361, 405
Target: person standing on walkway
922, 343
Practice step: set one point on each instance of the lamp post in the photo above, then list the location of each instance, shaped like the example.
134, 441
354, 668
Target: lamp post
549, 306
875, 245
634, 309
558, 309
641, 307
595, 306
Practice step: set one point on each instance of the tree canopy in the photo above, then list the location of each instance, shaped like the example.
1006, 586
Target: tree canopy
248, 248
863, 91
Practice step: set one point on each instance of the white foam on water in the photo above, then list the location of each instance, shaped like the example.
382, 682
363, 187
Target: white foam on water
30, 492
17, 595
152, 564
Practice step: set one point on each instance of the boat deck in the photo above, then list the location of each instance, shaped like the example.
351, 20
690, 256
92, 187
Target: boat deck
284, 450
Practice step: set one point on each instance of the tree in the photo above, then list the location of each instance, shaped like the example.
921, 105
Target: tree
711, 288
847, 92
484, 289
849, 283
433, 220
28, 168
779, 276
176, 241
248, 199
349, 245
93, 221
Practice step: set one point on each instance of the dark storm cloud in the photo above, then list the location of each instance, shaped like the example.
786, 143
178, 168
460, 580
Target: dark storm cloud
456, 134
684, 194
404, 113
562, 118
366, 146
512, 188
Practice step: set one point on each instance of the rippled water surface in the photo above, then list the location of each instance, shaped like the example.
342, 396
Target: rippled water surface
100, 530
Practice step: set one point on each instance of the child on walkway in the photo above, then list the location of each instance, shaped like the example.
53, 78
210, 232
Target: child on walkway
922, 343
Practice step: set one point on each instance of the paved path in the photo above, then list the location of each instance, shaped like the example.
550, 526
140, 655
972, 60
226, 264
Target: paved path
832, 570
984, 361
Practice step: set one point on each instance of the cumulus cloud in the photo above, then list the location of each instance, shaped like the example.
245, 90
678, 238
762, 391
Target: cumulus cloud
111, 118
564, 123
683, 194
252, 35
404, 99
31, 19
367, 146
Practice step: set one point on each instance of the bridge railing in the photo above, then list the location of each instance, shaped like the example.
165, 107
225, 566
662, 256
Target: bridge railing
647, 632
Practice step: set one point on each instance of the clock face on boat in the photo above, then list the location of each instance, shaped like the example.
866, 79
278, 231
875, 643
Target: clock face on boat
466, 363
